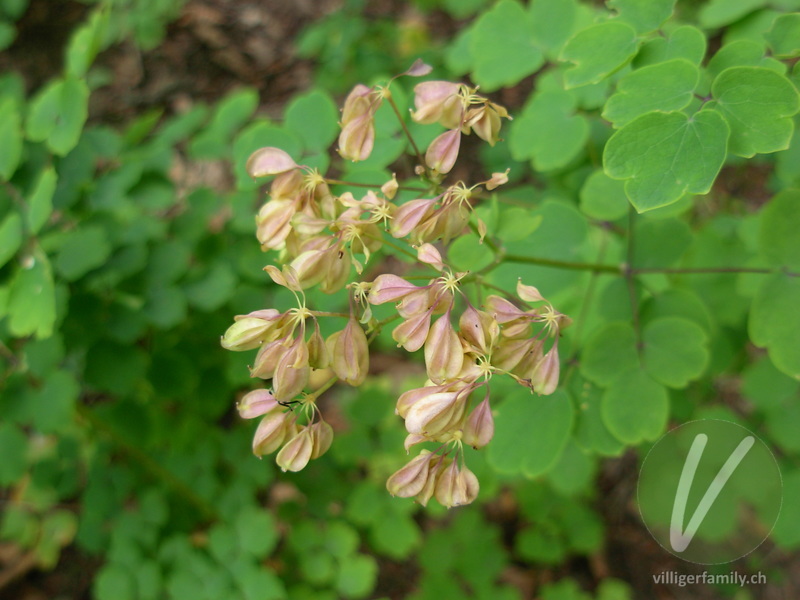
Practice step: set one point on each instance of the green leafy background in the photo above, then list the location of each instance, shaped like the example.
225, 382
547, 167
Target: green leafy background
653, 197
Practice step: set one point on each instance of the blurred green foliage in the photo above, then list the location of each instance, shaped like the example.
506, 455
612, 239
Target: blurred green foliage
118, 273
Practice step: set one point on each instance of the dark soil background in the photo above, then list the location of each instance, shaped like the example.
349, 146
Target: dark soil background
213, 47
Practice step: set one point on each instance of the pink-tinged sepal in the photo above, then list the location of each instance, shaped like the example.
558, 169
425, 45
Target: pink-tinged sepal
444, 354
389, 288
269, 161
297, 451
544, 377
412, 333
479, 428
443, 151
256, 404
410, 479
270, 434
408, 216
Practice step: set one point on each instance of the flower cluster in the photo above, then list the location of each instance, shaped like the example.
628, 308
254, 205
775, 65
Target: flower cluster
501, 338
322, 237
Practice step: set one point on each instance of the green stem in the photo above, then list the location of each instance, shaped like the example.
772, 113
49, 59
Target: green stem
410, 138
630, 280
149, 464
564, 264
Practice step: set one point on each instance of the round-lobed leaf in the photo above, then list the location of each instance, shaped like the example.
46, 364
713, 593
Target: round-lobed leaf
758, 105
598, 51
635, 408
663, 156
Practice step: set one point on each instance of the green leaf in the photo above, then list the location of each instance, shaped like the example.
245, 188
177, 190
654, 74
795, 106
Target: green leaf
40, 202
357, 576
57, 114
685, 42
665, 87
256, 532
660, 242
635, 408
644, 15
598, 51
675, 351
11, 134
787, 528
469, 254
85, 43
591, 432
315, 118
758, 104
665, 155
548, 132
14, 9
232, 113
609, 352
8, 34
114, 582
553, 22
766, 387
778, 240
31, 301
13, 449
10, 236
53, 405
531, 432
742, 53
603, 198
81, 251
516, 223
717, 13
573, 471
542, 544
214, 289
784, 37
503, 47
775, 321
396, 535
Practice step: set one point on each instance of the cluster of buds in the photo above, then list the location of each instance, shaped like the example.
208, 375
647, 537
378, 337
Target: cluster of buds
296, 358
499, 339
322, 237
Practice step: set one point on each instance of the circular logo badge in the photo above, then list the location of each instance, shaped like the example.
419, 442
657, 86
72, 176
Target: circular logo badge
710, 491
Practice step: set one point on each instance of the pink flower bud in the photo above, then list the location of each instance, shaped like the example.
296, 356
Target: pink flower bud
248, 332
410, 479
337, 275
267, 359
528, 292
416, 303
497, 180
479, 330
357, 138
389, 288
318, 357
409, 398
436, 413
322, 436
270, 433
532, 357
256, 403
435, 471
287, 186
350, 353
479, 429
274, 222
269, 161
503, 310
418, 69
297, 452
485, 122
357, 104
428, 254
389, 189
544, 378
443, 352
413, 439
412, 333
312, 266
456, 487
511, 352
443, 151
409, 215
292, 373
438, 101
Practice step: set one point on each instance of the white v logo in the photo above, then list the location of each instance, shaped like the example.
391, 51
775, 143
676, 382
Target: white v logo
678, 538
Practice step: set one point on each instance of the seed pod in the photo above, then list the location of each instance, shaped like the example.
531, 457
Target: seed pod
479, 429
270, 434
410, 479
350, 354
443, 352
256, 403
